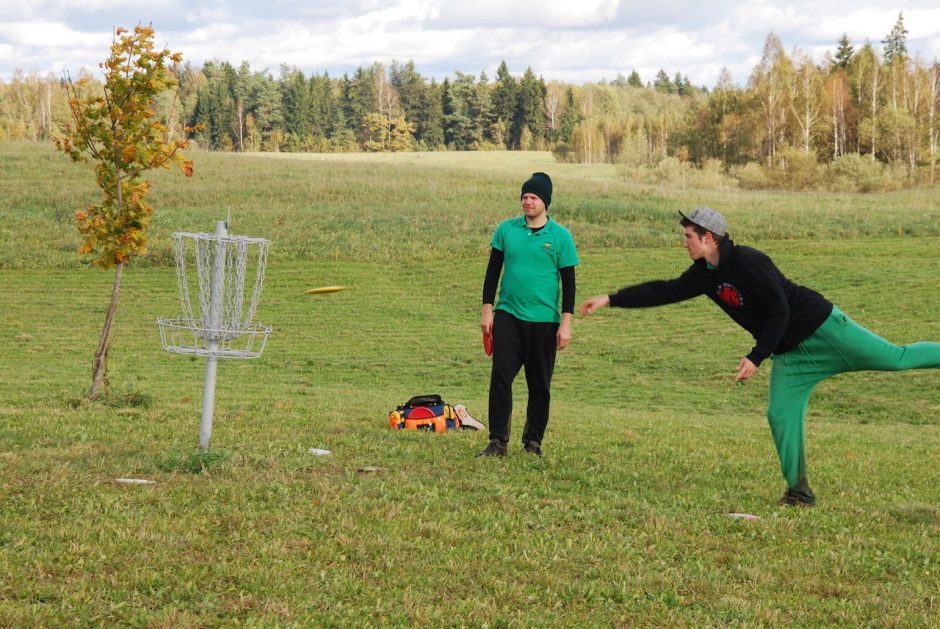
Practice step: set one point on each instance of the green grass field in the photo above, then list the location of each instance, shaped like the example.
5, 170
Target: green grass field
623, 522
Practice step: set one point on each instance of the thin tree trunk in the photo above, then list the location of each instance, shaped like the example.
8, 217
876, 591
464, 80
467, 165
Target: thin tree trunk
874, 112
240, 115
931, 120
99, 371
912, 98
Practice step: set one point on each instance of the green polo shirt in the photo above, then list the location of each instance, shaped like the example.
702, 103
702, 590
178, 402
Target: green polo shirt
529, 289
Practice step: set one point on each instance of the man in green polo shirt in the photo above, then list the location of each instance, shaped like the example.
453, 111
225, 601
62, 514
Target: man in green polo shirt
532, 252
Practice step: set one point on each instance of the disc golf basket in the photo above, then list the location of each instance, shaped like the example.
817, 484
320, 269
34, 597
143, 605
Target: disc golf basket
218, 304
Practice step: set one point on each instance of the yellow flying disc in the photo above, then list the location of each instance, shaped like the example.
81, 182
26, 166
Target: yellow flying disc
324, 289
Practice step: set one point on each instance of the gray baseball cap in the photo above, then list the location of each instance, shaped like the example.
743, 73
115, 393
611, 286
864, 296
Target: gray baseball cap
709, 219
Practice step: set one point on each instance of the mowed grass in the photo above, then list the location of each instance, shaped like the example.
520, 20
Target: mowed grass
623, 522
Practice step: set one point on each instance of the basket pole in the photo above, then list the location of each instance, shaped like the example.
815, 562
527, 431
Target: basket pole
215, 315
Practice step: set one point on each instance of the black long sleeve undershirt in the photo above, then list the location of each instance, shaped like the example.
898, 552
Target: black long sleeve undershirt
491, 280
495, 267
567, 289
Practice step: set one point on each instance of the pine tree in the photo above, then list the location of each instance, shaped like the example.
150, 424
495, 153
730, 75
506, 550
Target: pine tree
634, 79
462, 127
420, 103
844, 53
430, 129
570, 117
679, 86
295, 98
322, 110
895, 44
447, 100
215, 106
529, 106
268, 113
411, 88
199, 117
662, 83
504, 97
480, 110
346, 105
453, 121
363, 98
224, 92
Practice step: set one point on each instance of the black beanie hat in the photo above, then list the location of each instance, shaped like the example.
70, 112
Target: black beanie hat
540, 185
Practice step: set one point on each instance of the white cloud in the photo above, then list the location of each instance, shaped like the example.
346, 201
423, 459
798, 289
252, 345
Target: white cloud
57, 9
566, 40
51, 35
403, 15
534, 14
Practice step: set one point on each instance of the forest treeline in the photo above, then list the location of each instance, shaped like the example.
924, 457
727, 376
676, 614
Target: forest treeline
859, 119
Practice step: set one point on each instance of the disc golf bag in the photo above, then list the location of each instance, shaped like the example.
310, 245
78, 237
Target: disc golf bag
424, 412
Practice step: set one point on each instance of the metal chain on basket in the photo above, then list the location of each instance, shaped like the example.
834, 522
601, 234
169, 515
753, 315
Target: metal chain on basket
182, 280
204, 253
226, 262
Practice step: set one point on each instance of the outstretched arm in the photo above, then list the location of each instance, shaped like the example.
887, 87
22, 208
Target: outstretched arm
647, 294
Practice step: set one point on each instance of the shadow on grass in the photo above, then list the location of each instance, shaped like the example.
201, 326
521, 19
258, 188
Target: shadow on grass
112, 399
916, 513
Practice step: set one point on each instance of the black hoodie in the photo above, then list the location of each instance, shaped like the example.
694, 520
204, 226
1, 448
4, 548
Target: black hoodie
751, 289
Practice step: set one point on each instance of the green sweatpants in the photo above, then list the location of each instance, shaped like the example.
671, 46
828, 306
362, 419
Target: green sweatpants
837, 346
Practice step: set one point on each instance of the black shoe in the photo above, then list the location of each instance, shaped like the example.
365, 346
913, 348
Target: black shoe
494, 448
533, 447
791, 499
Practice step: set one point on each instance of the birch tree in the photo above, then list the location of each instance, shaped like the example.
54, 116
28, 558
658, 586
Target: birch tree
770, 81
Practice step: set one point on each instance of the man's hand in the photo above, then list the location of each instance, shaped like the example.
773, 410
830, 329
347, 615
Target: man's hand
563, 336
746, 369
594, 303
486, 319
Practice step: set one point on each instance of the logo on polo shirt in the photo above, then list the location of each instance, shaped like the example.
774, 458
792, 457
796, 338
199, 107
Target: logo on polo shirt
547, 245
730, 296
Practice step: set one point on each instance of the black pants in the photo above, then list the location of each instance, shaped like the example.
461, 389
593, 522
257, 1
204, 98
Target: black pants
517, 343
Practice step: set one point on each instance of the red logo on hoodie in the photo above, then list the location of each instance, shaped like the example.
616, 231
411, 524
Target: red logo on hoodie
729, 295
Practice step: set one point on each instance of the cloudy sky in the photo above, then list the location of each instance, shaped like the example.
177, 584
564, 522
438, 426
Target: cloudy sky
566, 40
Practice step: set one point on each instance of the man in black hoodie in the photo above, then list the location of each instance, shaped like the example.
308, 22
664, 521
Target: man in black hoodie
808, 338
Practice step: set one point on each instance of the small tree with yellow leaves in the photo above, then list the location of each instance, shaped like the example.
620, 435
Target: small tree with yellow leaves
118, 129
